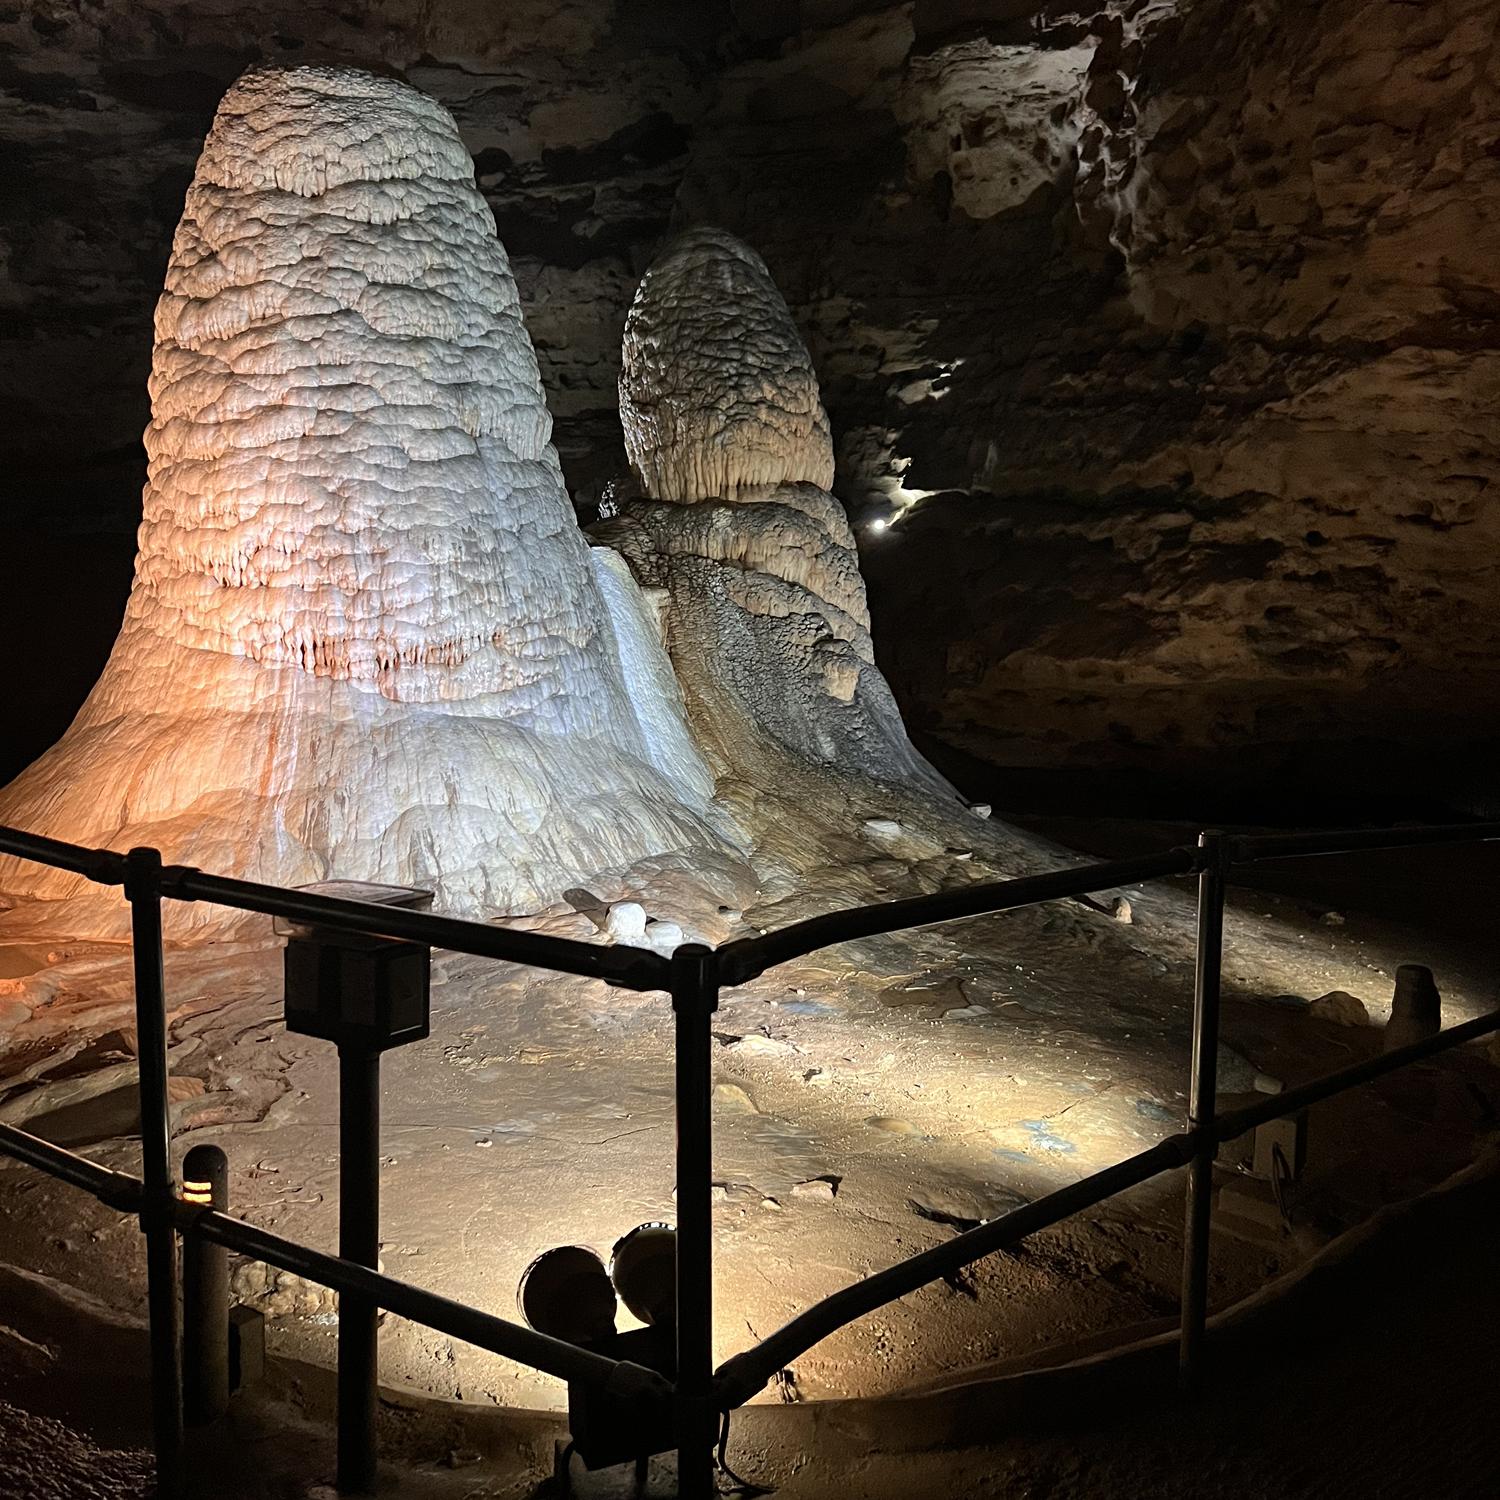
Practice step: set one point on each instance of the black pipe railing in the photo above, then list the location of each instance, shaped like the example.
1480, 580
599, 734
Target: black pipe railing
1236, 1122
1246, 850
485, 1331
1203, 1088
114, 1189
746, 1373
693, 977
745, 958
159, 1189
625, 968
102, 866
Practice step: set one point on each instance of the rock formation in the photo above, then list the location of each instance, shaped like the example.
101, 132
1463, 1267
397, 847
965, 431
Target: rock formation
1063, 271
766, 615
365, 638
1195, 417
717, 393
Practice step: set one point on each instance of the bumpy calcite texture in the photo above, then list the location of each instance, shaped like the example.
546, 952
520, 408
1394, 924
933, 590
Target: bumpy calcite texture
366, 637
717, 392
766, 614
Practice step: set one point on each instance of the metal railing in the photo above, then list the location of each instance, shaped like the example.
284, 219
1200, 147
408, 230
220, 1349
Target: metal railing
693, 977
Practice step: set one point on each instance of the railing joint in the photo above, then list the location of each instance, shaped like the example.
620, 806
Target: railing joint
106, 867
142, 874
695, 977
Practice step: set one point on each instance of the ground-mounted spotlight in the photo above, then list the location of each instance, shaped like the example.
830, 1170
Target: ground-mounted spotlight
643, 1268
568, 1294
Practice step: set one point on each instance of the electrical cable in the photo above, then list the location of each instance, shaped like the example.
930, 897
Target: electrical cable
746, 1487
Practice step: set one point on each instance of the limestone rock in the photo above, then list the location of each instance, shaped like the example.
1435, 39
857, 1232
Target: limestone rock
1167, 329
1341, 1008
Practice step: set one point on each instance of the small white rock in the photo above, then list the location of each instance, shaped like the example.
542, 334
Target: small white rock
626, 921
883, 828
980, 809
764, 1046
664, 937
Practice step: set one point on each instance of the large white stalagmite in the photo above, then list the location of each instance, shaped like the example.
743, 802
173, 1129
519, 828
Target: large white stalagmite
767, 621
365, 638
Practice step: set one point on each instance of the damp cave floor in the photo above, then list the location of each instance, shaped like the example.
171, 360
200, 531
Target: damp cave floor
869, 1102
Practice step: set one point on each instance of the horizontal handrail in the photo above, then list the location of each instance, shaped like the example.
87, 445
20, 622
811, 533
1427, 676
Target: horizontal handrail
118, 1189
621, 966
102, 866
624, 967
484, 1330
745, 958
510, 1340
743, 1375
1237, 1121
1246, 850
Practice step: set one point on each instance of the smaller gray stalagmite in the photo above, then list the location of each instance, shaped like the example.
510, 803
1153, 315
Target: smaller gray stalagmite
767, 621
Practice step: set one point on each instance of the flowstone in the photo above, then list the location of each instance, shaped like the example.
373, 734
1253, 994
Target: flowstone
365, 636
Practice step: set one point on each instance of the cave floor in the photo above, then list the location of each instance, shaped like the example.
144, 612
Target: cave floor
869, 1101
1369, 1380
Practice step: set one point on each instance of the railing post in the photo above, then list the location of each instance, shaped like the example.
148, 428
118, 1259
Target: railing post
159, 1196
695, 997
359, 1241
1202, 1090
205, 1292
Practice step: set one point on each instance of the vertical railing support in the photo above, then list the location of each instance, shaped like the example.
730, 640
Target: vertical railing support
205, 1292
1202, 1090
159, 1198
359, 1241
695, 997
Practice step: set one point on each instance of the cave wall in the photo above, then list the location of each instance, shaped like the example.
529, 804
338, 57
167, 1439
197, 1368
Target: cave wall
1168, 328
